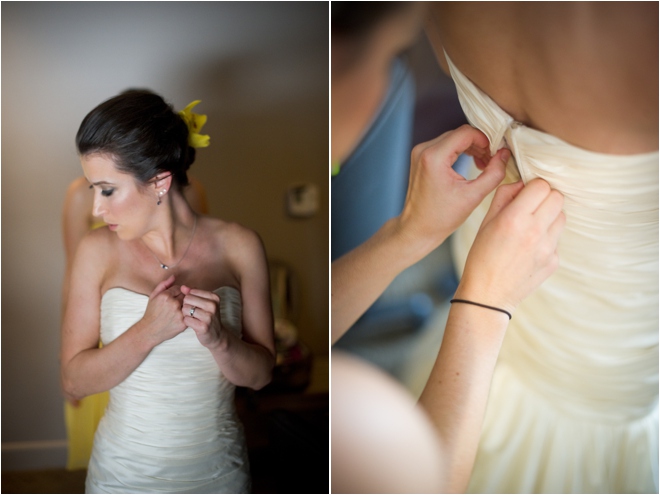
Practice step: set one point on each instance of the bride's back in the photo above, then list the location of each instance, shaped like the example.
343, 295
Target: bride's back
584, 72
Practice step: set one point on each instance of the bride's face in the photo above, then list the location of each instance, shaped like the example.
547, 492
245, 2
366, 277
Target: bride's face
126, 207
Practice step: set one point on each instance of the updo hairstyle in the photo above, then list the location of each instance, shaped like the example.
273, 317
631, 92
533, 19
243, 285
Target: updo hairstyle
142, 133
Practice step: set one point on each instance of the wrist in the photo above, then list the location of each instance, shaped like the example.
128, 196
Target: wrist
483, 294
495, 320
221, 344
144, 340
413, 244
480, 305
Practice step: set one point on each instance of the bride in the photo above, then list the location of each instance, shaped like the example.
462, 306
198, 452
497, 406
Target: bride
571, 88
164, 290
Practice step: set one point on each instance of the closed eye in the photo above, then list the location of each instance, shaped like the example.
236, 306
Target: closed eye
107, 192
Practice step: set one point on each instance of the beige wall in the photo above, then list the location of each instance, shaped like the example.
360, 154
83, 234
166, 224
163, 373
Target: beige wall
261, 71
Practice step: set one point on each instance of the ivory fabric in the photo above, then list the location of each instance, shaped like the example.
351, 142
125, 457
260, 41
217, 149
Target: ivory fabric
171, 426
574, 401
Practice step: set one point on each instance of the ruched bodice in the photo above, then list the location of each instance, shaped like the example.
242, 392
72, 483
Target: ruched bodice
579, 364
171, 425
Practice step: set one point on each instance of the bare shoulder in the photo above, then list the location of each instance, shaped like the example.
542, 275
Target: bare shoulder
240, 249
240, 243
95, 251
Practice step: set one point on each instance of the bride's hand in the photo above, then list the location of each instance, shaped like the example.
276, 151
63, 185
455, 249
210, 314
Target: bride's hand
205, 317
439, 199
163, 315
516, 247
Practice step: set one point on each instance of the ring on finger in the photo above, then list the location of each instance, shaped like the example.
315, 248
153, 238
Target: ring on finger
192, 311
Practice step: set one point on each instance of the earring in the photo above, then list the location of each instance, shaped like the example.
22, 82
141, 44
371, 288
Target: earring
159, 196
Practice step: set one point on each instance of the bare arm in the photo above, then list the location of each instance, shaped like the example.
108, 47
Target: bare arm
360, 276
513, 254
86, 369
246, 361
438, 201
373, 418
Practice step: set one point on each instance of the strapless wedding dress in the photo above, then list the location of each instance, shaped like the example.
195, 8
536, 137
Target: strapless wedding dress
171, 426
574, 400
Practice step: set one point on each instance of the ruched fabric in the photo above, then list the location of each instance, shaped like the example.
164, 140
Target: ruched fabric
574, 401
171, 426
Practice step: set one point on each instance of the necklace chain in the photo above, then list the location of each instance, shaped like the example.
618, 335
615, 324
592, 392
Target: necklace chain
167, 267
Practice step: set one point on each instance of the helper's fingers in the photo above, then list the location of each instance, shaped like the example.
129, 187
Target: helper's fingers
550, 207
492, 175
481, 156
503, 197
446, 148
531, 197
557, 227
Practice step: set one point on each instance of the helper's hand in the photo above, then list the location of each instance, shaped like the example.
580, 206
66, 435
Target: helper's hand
205, 320
439, 199
516, 247
163, 319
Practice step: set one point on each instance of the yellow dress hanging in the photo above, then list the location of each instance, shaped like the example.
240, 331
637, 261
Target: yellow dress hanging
81, 423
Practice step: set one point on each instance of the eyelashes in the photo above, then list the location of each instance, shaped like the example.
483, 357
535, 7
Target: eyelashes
105, 192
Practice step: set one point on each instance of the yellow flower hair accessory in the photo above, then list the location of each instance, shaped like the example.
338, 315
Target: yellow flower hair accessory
195, 122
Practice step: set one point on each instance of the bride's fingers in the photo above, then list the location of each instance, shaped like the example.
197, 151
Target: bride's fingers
175, 291
195, 312
190, 311
163, 286
197, 325
212, 296
200, 302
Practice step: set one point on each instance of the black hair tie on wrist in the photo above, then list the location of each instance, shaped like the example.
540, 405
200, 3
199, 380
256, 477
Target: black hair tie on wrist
481, 305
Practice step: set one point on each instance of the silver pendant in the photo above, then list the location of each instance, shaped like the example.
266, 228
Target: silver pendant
164, 267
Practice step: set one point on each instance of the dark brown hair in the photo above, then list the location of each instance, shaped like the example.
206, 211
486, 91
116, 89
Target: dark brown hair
141, 132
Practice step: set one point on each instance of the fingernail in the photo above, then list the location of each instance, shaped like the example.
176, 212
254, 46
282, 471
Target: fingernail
505, 155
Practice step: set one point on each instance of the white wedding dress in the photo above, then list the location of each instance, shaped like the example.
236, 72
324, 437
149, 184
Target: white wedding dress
574, 400
171, 426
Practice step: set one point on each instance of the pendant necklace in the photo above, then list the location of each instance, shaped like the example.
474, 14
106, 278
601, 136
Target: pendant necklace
167, 267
